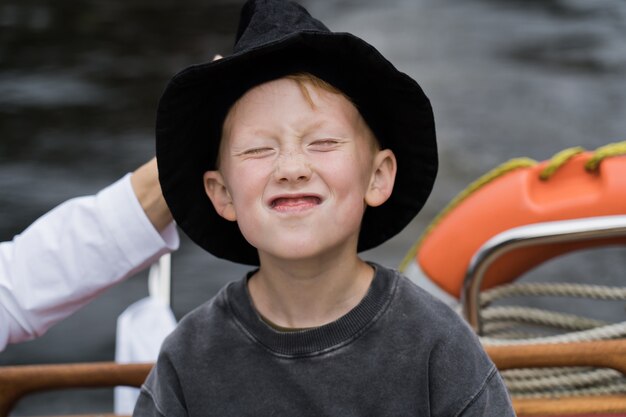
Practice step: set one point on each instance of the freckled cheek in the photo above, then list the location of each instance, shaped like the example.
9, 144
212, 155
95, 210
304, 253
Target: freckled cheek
245, 193
247, 187
348, 175
348, 215
333, 163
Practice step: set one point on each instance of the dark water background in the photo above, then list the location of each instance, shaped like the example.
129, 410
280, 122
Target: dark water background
79, 82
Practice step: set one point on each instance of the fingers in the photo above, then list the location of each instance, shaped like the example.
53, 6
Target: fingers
145, 183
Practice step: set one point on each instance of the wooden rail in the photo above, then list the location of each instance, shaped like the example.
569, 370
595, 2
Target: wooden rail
18, 381
600, 354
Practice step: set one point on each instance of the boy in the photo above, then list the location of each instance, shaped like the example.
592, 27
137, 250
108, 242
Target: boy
299, 150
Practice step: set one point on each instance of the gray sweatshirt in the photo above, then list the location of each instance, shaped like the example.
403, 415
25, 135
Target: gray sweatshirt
399, 352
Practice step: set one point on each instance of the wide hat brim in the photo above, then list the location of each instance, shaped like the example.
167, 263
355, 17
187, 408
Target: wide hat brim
193, 107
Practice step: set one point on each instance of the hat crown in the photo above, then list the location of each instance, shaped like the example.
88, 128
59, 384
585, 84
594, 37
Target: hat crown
275, 38
264, 21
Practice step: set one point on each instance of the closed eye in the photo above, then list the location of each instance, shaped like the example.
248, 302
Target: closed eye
257, 152
324, 145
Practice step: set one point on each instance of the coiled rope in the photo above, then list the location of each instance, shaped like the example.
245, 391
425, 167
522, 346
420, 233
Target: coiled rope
501, 324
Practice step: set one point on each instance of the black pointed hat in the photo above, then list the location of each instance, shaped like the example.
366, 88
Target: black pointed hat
276, 38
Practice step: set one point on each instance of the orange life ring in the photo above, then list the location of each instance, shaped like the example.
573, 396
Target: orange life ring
574, 184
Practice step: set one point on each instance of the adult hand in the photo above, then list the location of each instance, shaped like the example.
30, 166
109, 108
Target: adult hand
145, 183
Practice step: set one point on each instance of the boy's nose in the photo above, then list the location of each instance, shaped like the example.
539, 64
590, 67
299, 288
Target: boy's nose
292, 167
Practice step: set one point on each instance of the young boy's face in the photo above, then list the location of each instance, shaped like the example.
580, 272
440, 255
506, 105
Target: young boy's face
296, 175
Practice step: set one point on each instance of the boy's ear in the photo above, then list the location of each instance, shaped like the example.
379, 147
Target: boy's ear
383, 178
217, 192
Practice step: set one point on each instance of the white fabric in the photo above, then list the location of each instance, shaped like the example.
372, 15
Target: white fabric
141, 329
70, 255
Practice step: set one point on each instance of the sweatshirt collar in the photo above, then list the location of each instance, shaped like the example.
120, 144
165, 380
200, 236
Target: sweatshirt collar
318, 340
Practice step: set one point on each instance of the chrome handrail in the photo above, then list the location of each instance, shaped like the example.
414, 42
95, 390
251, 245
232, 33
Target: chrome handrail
530, 235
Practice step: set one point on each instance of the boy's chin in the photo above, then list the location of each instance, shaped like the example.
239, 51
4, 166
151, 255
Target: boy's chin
298, 253
289, 256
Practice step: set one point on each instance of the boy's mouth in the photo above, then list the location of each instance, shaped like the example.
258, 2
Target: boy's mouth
295, 202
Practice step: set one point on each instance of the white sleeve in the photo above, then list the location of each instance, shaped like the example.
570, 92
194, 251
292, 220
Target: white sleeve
70, 255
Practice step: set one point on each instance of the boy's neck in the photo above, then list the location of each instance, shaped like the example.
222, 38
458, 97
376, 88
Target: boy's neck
311, 294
